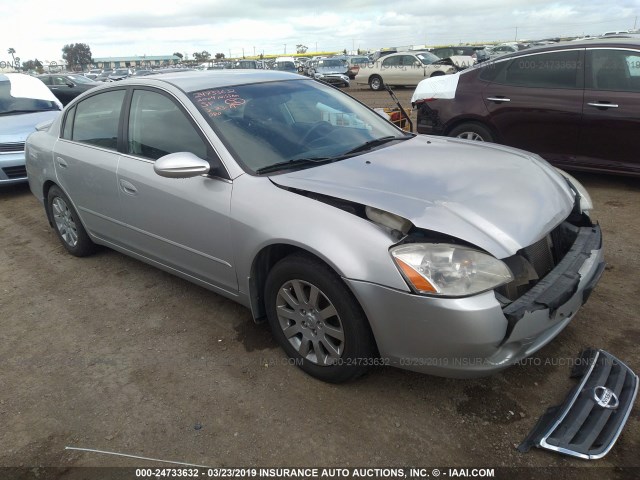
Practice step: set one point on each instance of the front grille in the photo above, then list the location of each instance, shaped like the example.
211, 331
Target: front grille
533, 263
13, 173
12, 147
592, 417
540, 256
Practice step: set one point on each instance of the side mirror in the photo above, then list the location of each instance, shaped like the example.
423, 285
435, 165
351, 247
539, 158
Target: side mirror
70, 85
181, 165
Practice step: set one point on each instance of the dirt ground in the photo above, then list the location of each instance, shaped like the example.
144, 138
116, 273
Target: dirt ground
108, 353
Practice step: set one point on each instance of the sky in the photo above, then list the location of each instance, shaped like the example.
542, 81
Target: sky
39, 29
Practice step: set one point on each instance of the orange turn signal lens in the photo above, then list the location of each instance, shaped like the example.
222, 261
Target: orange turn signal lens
417, 280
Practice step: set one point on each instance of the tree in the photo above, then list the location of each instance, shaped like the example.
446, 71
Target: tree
178, 54
11, 52
219, 56
301, 49
77, 55
202, 56
30, 65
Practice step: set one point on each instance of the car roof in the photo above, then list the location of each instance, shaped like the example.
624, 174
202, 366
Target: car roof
594, 43
192, 81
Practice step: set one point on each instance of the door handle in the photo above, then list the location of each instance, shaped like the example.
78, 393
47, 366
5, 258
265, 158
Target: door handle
498, 99
128, 187
61, 162
603, 105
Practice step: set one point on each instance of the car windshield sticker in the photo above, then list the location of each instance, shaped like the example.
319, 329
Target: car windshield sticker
214, 102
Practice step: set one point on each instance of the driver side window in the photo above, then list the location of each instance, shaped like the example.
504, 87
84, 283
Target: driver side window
157, 127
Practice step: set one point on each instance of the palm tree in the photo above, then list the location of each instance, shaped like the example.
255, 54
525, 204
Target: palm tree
11, 51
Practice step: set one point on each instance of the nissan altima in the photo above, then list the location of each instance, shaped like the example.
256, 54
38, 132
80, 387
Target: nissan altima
359, 243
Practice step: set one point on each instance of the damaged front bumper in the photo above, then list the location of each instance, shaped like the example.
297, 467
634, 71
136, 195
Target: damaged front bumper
592, 417
482, 334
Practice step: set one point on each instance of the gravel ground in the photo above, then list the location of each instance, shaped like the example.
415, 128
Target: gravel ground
111, 354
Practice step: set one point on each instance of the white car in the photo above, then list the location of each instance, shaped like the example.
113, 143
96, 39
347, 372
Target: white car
402, 69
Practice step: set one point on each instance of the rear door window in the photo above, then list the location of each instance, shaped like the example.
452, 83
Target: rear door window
97, 119
613, 69
545, 70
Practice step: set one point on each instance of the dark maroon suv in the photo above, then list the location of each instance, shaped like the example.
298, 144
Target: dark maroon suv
576, 104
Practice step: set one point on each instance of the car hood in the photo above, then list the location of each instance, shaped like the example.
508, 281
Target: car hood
16, 128
497, 198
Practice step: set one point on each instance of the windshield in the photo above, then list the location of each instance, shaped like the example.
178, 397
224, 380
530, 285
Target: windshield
285, 66
287, 121
427, 58
80, 79
121, 72
331, 63
10, 105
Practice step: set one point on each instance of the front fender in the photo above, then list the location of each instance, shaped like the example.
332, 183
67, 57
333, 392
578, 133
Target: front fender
264, 214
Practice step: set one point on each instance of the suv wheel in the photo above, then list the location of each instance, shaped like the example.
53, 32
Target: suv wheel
472, 131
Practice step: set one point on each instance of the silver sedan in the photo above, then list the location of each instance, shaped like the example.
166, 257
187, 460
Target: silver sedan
359, 243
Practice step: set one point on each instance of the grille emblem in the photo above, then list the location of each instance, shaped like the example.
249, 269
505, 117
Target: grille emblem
605, 397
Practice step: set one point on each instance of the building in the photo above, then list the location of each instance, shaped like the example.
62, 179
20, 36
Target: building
146, 61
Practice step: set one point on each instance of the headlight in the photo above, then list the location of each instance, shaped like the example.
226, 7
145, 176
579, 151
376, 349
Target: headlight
586, 204
449, 270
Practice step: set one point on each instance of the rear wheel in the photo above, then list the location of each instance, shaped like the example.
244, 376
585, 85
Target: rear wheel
67, 224
316, 320
375, 83
472, 131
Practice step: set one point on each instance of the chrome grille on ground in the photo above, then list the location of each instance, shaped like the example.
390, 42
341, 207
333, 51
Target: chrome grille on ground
13, 173
12, 147
592, 417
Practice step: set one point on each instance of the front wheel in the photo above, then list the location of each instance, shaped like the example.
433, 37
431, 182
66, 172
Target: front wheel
317, 321
472, 131
67, 224
375, 83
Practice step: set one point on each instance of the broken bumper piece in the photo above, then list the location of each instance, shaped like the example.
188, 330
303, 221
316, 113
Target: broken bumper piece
592, 417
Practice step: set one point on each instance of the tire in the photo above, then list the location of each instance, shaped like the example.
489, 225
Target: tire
317, 321
375, 83
472, 131
67, 224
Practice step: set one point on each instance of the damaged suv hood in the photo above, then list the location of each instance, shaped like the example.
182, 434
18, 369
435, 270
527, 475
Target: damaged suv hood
498, 198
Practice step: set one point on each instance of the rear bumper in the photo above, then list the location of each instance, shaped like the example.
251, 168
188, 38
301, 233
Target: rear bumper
427, 120
592, 417
475, 336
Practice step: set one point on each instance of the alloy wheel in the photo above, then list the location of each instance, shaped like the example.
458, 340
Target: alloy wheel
310, 322
471, 136
65, 224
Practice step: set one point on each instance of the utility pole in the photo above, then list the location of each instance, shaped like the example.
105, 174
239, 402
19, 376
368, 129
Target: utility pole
254, 51
516, 39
